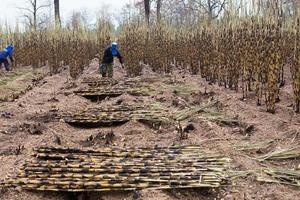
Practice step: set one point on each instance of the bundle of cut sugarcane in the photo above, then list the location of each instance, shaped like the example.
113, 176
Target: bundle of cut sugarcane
153, 113
280, 175
126, 82
118, 114
96, 82
99, 92
113, 90
106, 169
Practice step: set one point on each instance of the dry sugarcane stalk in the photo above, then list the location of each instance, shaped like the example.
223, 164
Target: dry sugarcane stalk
109, 169
282, 154
119, 114
279, 175
254, 146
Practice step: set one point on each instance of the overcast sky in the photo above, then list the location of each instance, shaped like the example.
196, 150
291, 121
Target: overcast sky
9, 13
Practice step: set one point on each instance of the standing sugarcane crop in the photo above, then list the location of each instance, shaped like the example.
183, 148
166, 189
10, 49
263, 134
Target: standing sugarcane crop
296, 69
106, 68
75, 68
272, 68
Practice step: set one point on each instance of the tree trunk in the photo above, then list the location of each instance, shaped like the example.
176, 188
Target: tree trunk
158, 7
296, 5
147, 16
34, 15
259, 7
210, 11
147, 11
57, 13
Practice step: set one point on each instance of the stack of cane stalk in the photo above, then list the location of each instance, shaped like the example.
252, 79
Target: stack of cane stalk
102, 115
96, 82
112, 91
118, 114
107, 169
139, 81
100, 92
102, 88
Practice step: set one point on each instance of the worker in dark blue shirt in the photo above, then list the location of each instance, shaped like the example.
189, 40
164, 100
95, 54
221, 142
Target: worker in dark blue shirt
106, 67
4, 55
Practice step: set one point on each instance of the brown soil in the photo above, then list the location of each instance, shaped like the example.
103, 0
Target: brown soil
30, 121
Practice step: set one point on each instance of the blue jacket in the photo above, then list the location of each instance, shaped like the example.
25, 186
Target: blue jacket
7, 52
109, 54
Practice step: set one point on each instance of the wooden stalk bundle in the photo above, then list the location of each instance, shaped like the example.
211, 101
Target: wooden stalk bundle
96, 82
112, 91
99, 89
106, 169
118, 114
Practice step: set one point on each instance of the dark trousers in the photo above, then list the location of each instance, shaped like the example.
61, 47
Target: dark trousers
6, 64
107, 70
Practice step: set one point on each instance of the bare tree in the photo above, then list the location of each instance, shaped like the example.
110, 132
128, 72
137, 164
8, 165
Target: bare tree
79, 20
277, 9
212, 8
76, 20
158, 8
32, 15
57, 13
147, 11
190, 11
178, 12
296, 7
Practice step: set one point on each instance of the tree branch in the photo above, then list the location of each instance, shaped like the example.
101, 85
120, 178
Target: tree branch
25, 9
221, 8
29, 19
43, 6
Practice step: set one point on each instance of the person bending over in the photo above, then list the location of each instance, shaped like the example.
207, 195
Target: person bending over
106, 67
4, 55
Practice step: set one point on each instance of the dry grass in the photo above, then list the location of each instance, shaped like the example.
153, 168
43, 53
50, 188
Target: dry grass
14, 83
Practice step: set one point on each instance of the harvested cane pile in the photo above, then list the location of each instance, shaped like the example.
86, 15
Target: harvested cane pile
99, 89
106, 169
100, 93
135, 81
112, 115
96, 82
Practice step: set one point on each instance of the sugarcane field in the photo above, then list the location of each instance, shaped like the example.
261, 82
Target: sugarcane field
150, 100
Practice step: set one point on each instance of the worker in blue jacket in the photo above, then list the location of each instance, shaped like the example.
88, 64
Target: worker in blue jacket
4, 55
106, 67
